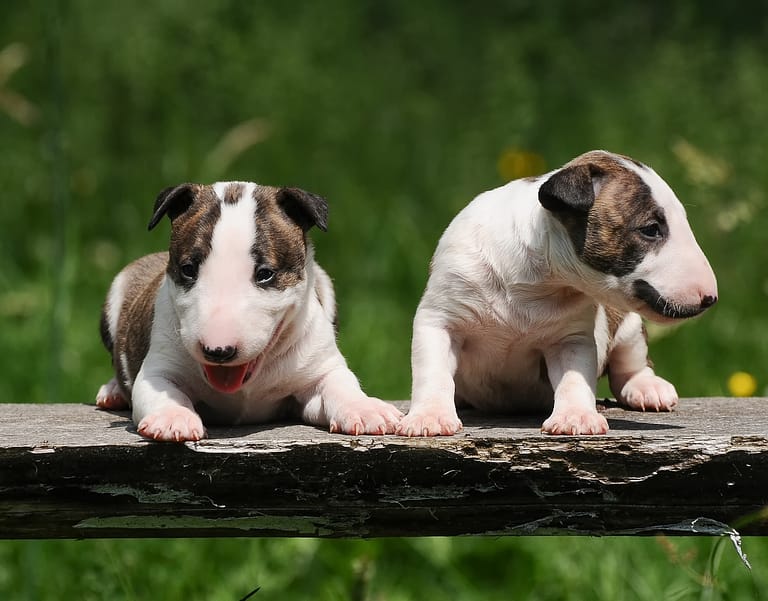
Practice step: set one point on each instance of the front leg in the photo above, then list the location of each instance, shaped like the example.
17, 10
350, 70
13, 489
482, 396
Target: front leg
434, 359
163, 412
631, 377
572, 365
338, 403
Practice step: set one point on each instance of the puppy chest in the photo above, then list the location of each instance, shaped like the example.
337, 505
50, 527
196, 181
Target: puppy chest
494, 371
508, 355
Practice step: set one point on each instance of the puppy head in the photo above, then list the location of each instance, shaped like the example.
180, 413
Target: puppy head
631, 232
237, 270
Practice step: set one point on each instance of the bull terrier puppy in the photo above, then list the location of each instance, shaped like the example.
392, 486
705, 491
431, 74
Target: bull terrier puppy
538, 287
235, 323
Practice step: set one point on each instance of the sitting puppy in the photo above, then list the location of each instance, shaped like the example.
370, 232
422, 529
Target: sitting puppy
235, 324
538, 287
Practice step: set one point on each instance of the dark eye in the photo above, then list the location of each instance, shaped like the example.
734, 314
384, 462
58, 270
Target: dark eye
652, 231
264, 275
189, 270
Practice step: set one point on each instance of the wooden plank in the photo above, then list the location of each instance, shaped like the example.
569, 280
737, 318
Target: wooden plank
73, 471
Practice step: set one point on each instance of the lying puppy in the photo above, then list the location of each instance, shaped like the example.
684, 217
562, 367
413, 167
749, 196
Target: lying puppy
235, 324
538, 287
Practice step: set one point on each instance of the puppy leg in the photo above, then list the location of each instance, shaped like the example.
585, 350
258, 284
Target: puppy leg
572, 364
339, 403
163, 412
110, 397
631, 378
434, 359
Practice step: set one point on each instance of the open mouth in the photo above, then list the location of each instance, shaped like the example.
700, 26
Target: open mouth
664, 306
231, 378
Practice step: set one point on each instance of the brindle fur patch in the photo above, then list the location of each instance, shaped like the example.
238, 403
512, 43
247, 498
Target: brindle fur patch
135, 324
233, 193
281, 243
192, 232
606, 236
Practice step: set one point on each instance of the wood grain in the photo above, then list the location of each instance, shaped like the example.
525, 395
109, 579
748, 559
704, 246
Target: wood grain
73, 471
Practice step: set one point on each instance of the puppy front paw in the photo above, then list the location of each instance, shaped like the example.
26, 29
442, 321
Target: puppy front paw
575, 421
175, 424
430, 421
110, 397
648, 392
368, 415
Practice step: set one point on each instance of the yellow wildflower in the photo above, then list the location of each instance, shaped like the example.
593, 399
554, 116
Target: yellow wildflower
742, 383
515, 163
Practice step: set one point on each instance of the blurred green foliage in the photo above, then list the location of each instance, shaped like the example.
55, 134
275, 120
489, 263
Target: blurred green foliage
399, 113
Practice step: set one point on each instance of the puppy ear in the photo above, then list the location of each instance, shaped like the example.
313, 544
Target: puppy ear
305, 208
571, 189
172, 201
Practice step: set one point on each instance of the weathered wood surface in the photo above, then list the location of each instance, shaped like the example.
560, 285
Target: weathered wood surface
72, 471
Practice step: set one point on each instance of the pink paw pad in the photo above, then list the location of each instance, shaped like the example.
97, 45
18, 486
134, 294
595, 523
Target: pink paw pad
430, 423
649, 393
575, 423
176, 424
370, 416
110, 397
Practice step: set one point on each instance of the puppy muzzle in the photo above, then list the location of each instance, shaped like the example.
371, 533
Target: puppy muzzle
668, 308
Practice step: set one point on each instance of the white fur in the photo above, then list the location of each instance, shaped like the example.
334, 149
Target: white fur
602, 335
115, 298
301, 368
507, 291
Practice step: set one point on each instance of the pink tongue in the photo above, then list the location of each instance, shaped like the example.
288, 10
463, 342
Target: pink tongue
226, 378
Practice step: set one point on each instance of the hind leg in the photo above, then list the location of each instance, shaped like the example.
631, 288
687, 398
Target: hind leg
109, 396
631, 377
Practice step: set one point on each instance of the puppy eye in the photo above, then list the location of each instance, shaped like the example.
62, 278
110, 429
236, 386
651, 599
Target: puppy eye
189, 270
264, 275
652, 231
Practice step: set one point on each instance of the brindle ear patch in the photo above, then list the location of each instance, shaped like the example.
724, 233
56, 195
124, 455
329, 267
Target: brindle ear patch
304, 208
570, 189
172, 201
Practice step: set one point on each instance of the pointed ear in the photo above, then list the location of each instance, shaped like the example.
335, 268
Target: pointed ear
173, 202
305, 208
571, 189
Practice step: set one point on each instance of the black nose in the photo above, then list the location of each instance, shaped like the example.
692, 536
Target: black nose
708, 301
219, 354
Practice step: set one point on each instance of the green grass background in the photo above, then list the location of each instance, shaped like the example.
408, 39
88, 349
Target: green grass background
398, 112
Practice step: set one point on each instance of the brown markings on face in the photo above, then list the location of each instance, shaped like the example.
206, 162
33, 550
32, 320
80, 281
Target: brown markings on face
191, 234
607, 237
134, 327
280, 243
232, 193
